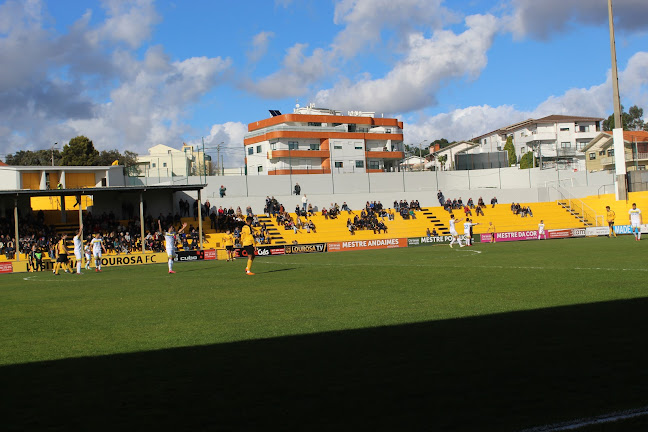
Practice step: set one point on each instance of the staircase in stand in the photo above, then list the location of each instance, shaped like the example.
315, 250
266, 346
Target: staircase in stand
275, 235
575, 211
436, 222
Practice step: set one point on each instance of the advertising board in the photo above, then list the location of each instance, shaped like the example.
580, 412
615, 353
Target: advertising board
261, 251
305, 248
426, 241
6, 267
367, 244
510, 236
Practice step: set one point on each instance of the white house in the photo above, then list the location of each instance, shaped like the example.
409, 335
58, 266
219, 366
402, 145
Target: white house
165, 161
557, 139
447, 153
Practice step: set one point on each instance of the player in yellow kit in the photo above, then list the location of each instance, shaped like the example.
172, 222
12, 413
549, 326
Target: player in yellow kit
491, 230
249, 244
61, 256
610, 216
228, 241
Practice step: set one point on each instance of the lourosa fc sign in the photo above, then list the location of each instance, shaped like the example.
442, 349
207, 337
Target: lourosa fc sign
305, 248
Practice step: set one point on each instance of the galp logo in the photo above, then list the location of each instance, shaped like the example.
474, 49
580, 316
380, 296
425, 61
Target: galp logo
263, 252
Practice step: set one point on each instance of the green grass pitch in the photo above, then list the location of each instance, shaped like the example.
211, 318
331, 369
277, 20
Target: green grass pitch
502, 336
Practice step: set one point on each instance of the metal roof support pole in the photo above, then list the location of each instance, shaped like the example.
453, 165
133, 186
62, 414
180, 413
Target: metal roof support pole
200, 221
78, 198
141, 212
17, 241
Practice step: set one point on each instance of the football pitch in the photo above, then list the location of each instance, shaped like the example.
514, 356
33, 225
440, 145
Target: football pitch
505, 336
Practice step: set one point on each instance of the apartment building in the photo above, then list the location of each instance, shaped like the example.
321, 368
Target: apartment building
318, 140
558, 139
599, 153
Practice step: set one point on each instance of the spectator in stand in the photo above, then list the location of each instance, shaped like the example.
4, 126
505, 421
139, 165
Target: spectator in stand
304, 201
428, 233
470, 203
346, 208
310, 209
480, 202
467, 211
459, 203
493, 201
297, 189
222, 191
441, 198
479, 211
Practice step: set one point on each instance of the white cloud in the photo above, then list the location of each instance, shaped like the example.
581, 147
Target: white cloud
230, 138
260, 43
595, 101
544, 18
365, 20
298, 72
414, 81
90, 81
130, 21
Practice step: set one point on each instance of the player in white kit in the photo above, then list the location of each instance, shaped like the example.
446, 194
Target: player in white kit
541, 230
78, 249
468, 231
635, 221
97, 247
88, 254
170, 240
453, 230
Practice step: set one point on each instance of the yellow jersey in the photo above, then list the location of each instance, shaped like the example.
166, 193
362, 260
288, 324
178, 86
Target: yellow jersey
491, 228
61, 247
610, 216
228, 240
247, 236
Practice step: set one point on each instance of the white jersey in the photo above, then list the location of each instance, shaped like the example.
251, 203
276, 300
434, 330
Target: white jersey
96, 245
169, 239
541, 228
451, 224
467, 226
635, 216
78, 248
88, 250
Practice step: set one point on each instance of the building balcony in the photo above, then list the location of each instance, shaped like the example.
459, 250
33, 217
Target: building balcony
384, 155
609, 160
274, 154
562, 152
543, 136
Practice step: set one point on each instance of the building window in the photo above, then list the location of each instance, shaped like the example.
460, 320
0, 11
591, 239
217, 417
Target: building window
259, 169
314, 146
592, 155
564, 129
580, 145
522, 149
337, 147
358, 147
388, 130
293, 145
273, 146
250, 150
374, 165
641, 167
314, 124
359, 164
610, 152
484, 141
164, 165
339, 164
259, 148
582, 128
565, 145
153, 165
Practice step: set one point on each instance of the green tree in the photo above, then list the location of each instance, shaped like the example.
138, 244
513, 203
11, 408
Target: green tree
632, 120
526, 161
442, 160
80, 151
33, 158
510, 148
443, 143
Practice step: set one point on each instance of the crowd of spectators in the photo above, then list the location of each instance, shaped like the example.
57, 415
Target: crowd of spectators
521, 211
468, 207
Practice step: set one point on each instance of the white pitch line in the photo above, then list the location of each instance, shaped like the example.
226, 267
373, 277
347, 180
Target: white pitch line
454, 266
580, 423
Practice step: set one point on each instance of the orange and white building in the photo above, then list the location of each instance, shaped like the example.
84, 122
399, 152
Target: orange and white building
317, 140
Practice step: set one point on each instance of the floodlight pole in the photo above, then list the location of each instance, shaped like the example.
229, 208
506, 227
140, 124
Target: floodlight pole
617, 133
17, 239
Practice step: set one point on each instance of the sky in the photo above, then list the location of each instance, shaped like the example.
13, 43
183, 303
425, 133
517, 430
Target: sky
130, 74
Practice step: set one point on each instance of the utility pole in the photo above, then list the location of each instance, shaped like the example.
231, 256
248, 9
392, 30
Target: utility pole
55, 144
218, 159
617, 133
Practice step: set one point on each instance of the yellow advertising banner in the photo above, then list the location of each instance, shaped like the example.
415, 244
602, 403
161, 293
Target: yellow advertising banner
106, 261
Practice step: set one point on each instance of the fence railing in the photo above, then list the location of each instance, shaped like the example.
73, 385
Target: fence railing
577, 205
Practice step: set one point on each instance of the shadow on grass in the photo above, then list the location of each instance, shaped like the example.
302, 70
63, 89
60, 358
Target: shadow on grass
499, 372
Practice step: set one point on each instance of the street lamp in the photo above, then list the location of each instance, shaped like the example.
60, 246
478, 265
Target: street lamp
52, 149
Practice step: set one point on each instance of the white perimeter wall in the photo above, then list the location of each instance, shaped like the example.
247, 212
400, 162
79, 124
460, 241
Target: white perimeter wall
507, 184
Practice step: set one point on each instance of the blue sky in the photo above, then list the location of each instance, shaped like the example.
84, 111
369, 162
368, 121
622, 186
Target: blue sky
132, 74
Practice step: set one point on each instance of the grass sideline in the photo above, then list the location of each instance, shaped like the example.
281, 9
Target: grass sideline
501, 336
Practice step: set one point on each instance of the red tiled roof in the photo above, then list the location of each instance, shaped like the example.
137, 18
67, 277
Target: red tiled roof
633, 136
3, 164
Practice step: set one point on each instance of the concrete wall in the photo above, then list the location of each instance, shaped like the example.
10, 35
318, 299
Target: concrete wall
507, 184
9, 178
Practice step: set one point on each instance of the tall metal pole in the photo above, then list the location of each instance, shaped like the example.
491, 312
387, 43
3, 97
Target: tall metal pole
141, 213
17, 240
617, 133
55, 144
